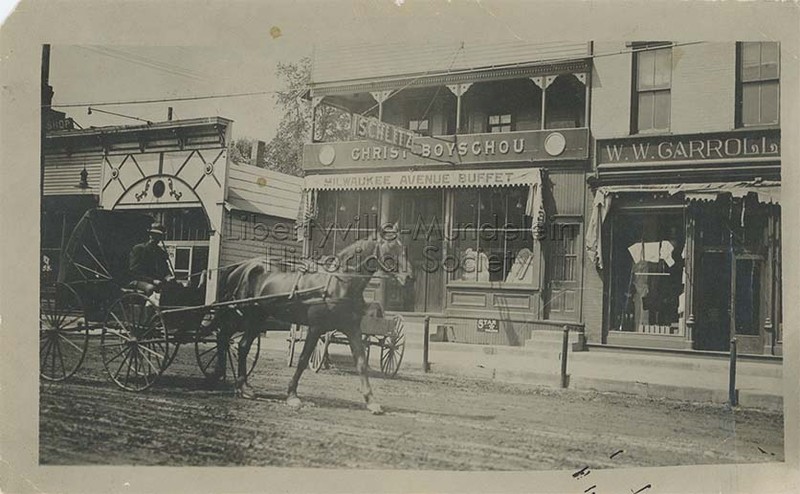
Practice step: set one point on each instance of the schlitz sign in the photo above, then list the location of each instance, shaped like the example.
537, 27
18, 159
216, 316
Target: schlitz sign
727, 146
411, 151
381, 132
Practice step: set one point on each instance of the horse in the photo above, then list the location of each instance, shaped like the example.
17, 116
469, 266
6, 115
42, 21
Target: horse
339, 307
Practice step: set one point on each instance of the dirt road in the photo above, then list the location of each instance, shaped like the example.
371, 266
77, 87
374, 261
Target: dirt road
432, 422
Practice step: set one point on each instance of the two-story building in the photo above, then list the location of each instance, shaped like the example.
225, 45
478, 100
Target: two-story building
489, 191
683, 220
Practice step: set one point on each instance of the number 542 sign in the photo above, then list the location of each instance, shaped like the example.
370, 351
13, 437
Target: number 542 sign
488, 325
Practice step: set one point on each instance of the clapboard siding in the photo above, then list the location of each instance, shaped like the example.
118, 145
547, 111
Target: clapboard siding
569, 188
263, 191
332, 64
62, 174
240, 242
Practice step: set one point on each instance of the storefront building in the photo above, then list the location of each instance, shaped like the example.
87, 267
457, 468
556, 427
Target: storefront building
479, 154
683, 222
215, 212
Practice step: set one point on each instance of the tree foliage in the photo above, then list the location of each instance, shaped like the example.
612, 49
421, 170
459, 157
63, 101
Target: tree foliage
240, 151
284, 153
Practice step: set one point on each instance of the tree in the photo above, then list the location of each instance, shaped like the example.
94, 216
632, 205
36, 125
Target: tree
284, 153
240, 151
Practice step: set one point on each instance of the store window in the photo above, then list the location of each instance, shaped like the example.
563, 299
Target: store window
491, 238
758, 91
652, 64
500, 123
647, 290
343, 217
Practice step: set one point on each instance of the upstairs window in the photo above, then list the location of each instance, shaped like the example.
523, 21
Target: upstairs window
500, 123
652, 66
419, 126
758, 89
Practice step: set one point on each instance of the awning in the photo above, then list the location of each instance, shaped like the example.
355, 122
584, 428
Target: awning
768, 192
425, 179
531, 177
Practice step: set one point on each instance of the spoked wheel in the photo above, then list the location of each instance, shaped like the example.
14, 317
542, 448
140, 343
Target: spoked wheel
134, 344
319, 357
294, 336
206, 350
393, 347
63, 333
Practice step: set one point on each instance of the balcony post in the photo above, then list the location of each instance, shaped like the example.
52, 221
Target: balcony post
458, 90
543, 83
583, 77
380, 97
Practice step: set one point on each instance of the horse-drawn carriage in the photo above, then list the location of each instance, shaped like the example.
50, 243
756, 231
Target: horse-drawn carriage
140, 334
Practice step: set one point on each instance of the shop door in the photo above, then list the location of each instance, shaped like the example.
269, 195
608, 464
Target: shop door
713, 302
562, 266
728, 297
420, 220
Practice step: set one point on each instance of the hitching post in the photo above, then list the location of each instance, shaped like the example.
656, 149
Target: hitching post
425, 344
732, 398
564, 347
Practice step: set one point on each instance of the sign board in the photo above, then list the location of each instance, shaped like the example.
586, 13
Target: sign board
66, 123
424, 179
446, 151
488, 325
373, 129
728, 146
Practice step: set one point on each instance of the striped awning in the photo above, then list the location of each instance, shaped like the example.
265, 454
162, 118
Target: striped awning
768, 191
425, 179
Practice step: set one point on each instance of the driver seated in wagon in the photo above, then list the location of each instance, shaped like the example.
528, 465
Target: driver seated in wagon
148, 263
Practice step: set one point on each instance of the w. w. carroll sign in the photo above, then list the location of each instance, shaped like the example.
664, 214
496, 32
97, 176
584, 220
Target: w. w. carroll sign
727, 146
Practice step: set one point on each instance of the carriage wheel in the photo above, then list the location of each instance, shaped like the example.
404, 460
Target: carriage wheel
295, 335
392, 348
63, 333
319, 356
134, 344
205, 350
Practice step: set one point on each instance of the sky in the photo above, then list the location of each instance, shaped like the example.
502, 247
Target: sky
99, 74
246, 59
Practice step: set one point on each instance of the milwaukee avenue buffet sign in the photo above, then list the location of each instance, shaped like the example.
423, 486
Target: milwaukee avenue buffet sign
381, 145
728, 146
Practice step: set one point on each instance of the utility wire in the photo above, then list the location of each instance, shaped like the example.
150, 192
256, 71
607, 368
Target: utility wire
167, 100
143, 61
426, 74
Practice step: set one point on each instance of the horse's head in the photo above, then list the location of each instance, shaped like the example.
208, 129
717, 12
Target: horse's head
392, 255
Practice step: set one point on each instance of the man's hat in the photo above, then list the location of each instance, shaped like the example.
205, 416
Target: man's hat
156, 228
